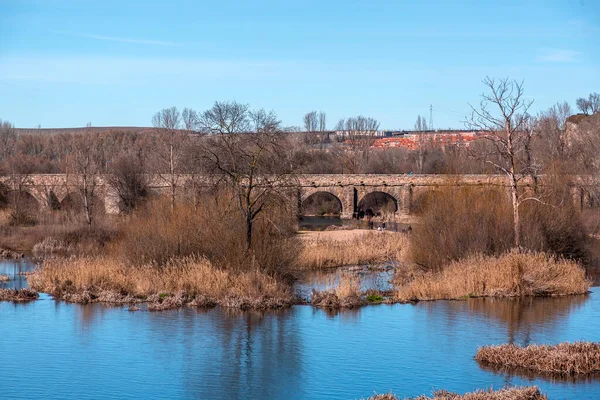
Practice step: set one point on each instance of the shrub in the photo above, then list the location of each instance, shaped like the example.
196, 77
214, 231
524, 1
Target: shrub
457, 222
156, 234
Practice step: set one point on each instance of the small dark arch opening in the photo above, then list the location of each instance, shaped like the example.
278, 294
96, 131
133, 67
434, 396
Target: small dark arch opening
376, 204
322, 204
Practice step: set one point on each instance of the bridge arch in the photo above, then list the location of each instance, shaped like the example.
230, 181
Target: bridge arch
26, 200
73, 203
321, 203
377, 203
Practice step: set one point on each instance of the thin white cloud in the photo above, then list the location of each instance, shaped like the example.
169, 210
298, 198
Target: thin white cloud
125, 40
558, 55
124, 70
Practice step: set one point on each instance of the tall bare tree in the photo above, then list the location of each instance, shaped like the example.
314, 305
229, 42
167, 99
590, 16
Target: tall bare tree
254, 166
226, 117
503, 121
171, 146
422, 142
311, 122
190, 120
85, 161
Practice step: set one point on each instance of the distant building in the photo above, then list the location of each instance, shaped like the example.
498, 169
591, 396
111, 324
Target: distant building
438, 139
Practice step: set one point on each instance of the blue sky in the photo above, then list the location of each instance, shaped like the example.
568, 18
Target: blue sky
66, 63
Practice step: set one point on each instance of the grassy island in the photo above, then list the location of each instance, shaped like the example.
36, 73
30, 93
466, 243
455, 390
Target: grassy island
578, 358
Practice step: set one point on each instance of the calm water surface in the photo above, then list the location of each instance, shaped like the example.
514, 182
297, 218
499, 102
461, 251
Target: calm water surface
56, 350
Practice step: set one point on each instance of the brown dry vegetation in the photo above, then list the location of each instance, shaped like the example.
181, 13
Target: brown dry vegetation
457, 222
322, 250
194, 255
18, 295
346, 294
576, 358
513, 393
509, 275
93, 279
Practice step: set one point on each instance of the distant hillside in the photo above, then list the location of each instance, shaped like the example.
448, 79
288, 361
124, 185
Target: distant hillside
92, 129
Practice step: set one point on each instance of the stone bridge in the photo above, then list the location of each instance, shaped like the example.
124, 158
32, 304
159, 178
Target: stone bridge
349, 190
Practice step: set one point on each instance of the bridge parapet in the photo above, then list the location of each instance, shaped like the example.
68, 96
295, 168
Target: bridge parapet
349, 189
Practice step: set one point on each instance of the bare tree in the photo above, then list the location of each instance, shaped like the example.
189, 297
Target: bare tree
322, 121
191, 120
591, 105
8, 139
84, 162
254, 167
171, 147
422, 141
362, 133
128, 178
508, 129
226, 117
551, 143
311, 122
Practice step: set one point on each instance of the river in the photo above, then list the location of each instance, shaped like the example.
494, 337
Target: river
55, 350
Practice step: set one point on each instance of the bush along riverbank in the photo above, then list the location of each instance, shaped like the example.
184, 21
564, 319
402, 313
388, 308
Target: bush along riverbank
510, 275
514, 393
573, 359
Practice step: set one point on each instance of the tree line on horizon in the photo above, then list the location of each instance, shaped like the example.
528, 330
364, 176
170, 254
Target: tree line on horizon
514, 143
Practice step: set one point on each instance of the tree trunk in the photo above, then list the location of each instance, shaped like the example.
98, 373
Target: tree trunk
516, 220
249, 231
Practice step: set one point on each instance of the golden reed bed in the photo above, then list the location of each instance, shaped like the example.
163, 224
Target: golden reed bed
578, 358
510, 275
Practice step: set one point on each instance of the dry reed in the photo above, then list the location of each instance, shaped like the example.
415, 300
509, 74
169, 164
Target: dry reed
18, 295
513, 393
365, 248
564, 358
345, 294
93, 278
510, 275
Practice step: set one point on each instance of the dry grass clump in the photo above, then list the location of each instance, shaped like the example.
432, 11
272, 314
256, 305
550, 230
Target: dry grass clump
178, 282
509, 275
18, 295
513, 393
346, 294
576, 358
365, 248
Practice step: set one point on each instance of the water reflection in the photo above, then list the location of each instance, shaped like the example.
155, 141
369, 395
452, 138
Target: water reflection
369, 278
522, 317
529, 375
15, 270
297, 353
